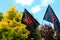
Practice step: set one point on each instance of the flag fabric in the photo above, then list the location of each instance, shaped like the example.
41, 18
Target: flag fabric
51, 17
59, 27
31, 23
29, 20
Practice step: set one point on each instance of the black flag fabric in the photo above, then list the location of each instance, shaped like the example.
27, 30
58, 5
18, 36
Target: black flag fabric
31, 23
29, 20
51, 17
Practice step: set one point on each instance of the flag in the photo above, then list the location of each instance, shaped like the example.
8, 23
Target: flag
51, 17
29, 20
59, 27
31, 23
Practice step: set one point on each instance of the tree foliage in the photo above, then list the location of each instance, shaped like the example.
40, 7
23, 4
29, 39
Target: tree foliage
11, 27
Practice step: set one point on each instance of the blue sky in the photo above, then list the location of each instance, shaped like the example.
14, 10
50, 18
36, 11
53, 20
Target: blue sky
36, 7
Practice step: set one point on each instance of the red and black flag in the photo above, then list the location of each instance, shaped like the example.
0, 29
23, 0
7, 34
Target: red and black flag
29, 20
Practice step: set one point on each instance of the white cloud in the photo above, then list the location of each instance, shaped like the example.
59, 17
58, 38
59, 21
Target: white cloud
35, 9
43, 4
46, 2
24, 2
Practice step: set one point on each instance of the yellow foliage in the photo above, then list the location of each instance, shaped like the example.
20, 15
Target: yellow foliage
11, 26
